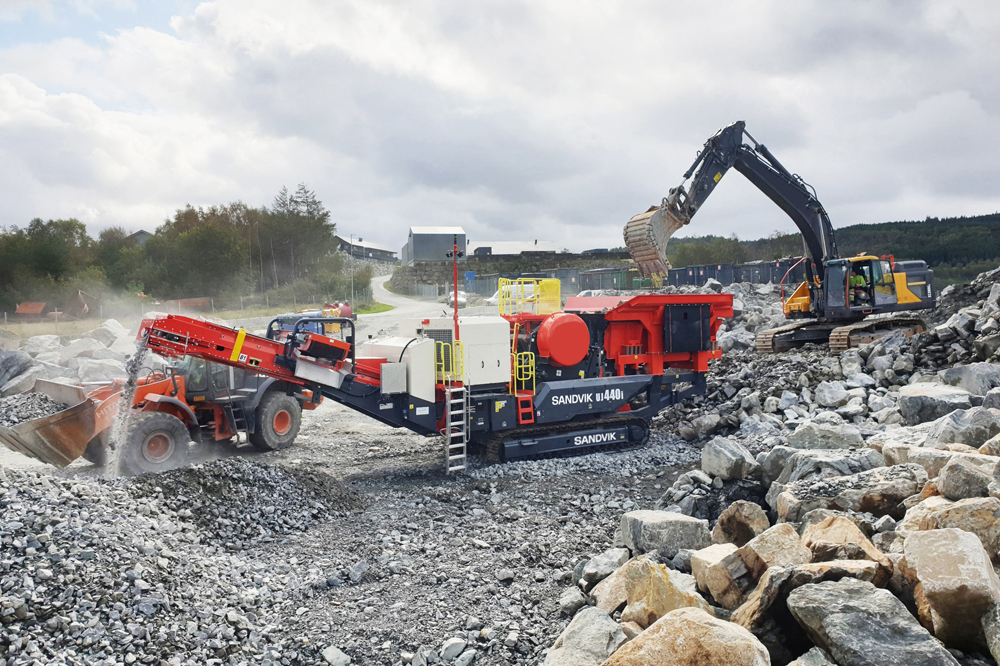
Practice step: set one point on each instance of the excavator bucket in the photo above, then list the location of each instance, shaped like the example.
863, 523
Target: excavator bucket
61, 438
647, 235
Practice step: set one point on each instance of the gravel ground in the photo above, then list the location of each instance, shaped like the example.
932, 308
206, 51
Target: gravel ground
353, 539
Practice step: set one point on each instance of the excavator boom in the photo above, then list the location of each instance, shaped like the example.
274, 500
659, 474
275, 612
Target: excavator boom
647, 234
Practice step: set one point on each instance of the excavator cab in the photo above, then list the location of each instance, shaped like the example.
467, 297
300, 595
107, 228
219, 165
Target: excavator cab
859, 285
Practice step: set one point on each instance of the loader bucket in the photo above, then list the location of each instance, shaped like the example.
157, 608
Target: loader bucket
647, 235
61, 438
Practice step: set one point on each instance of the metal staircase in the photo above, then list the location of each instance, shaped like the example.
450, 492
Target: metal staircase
456, 427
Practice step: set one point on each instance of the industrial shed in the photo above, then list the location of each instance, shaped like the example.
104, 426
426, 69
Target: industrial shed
432, 244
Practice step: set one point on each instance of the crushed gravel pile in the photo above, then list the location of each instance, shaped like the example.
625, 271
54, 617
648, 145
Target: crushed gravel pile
23, 407
238, 502
111, 572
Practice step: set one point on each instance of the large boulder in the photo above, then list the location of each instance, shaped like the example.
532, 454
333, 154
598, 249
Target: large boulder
609, 595
663, 532
837, 538
924, 401
589, 640
971, 427
706, 424
859, 624
934, 460
38, 344
812, 434
878, 491
954, 585
654, 590
740, 522
831, 394
12, 364
692, 636
727, 459
732, 577
82, 348
961, 479
820, 463
976, 515
603, 565
765, 612
702, 560
100, 370
108, 332
23, 382
976, 378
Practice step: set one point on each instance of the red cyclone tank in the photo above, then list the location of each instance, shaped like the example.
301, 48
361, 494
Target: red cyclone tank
564, 339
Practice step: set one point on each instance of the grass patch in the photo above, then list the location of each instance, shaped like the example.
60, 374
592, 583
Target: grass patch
375, 308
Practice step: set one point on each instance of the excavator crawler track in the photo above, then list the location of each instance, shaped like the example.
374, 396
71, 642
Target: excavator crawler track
859, 333
779, 339
839, 338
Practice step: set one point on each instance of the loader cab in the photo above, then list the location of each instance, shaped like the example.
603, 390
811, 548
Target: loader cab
210, 382
859, 286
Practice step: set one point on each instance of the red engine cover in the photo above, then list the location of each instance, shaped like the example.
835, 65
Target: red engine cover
563, 338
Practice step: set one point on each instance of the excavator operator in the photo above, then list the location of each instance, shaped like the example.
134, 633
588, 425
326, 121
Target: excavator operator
858, 285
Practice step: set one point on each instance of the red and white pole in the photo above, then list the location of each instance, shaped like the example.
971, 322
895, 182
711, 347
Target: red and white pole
454, 264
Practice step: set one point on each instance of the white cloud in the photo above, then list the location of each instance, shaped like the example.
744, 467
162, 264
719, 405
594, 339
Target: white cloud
547, 120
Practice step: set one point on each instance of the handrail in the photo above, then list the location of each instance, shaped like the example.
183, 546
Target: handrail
781, 283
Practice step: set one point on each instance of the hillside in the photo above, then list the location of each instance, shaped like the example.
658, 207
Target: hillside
958, 248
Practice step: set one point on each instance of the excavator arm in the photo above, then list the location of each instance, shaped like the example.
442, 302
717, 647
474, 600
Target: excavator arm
647, 234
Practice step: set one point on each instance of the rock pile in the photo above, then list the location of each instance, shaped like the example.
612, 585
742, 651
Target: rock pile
97, 356
868, 531
23, 407
101, 572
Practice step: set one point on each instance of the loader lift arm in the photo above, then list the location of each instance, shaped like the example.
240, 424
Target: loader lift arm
789, 192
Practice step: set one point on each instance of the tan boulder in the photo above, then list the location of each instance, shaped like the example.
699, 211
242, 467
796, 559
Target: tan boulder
702, 559
777, 546
954, 585
609, 595
739, 522
961, 478
732, 577
916, 514
991, 447
690, 636
653, 590
978, 515
838, 538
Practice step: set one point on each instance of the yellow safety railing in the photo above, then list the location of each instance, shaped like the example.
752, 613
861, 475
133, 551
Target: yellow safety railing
450, 361
534, 296
524, 372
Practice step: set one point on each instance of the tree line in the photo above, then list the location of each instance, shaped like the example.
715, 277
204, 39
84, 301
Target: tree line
958, 248
219, 251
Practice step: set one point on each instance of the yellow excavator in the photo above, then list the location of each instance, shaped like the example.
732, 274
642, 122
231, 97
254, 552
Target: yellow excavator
845, 302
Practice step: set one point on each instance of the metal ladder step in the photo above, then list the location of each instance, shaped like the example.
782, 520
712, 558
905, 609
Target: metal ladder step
456, 430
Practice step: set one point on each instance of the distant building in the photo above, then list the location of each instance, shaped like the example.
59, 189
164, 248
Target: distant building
362, 249
140, 237
431, 244
485, 248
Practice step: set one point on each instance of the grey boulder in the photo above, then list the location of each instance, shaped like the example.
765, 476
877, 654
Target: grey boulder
859, 624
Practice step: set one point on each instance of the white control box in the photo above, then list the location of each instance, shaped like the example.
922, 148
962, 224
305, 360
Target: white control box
485, 342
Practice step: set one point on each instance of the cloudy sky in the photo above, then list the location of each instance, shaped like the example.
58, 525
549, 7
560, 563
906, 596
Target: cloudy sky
548, 119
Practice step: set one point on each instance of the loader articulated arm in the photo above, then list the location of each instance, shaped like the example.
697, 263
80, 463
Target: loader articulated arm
722, 152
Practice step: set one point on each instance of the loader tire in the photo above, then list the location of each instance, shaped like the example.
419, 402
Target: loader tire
156, 442
277, 422
96, 452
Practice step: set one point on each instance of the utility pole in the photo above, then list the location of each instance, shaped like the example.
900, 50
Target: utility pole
351, 269
455, 254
